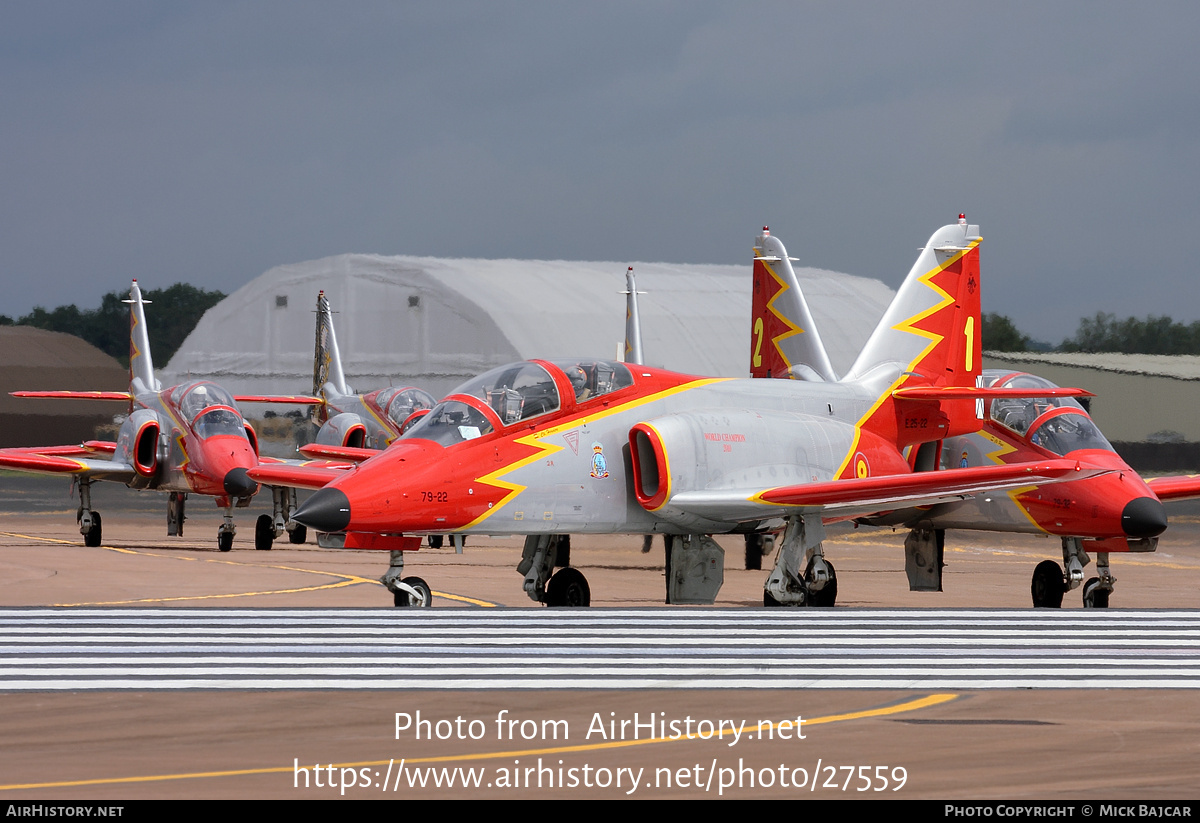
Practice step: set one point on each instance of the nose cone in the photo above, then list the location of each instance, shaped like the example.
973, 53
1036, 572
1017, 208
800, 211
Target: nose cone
326, 511
1144, 517
238, 484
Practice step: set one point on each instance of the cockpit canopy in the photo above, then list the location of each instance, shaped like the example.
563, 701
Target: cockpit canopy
208, 409
399, 403
1058, 424
517, 392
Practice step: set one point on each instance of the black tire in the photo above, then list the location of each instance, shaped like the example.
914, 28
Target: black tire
1095, 597
298, 535
827, 596
435, 541
93, 537
403, 600
568, 587
754, 554
264, 533
225, 541
769, 600
1047, 587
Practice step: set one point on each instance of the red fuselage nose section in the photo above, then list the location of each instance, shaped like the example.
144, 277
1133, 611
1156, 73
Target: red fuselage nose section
412, 486
217, 466
1117, 504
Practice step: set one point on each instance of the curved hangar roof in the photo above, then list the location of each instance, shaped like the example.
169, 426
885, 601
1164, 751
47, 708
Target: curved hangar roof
434, 322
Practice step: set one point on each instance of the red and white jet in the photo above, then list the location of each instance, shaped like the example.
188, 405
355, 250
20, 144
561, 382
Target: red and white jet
591, 446
186, 439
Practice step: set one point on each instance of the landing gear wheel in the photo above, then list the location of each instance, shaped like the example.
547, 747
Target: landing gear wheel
769, 600
92, 538
264, 533
826, 597
1047, 587
403, 599
225, 541
298, 535
435, 541
1095, 597
568, 587
754, 551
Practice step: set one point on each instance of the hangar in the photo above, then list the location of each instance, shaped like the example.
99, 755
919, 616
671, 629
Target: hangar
435, 322
35, 359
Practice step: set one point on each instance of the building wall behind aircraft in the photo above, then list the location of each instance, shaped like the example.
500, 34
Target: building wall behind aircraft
1137, 397
435, 322
36, 359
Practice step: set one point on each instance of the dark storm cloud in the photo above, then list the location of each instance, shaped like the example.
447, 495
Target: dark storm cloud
208, 142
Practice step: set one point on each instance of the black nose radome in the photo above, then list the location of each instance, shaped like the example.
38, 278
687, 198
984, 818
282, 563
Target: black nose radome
1144, 517
326, 511
237, 484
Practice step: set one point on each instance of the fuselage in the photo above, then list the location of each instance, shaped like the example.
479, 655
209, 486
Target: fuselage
546, 447
1117, 505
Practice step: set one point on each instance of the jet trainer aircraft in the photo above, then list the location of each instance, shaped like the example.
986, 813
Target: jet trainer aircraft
352, 426
1115, 511
365, 421
186, 439
532, 449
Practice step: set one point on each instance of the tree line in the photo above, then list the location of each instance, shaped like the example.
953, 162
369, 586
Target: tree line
178, 308
1103, 333
175, 312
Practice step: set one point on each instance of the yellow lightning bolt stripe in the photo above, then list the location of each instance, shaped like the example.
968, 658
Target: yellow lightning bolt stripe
994, 455
543, 449
906, 326
793, 328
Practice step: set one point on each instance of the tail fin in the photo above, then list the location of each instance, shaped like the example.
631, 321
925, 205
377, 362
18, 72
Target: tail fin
633, 325
784, 340
141, 365
929, 336
327, 360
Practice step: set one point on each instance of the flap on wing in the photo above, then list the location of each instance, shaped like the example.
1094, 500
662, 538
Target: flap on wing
972, 392
317, 450
294, 399
1180, 487
871, 495
296, 476
77, 395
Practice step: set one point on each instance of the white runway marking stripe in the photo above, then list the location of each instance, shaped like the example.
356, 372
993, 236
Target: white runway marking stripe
148, 649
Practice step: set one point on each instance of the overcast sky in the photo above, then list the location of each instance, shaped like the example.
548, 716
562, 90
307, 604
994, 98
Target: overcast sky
207, 142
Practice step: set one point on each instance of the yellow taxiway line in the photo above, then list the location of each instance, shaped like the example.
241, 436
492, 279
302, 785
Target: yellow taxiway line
343, 579
916, 704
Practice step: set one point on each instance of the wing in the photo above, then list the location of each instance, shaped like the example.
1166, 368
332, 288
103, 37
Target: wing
76, 395
294, 399
970, 392
319, 451
295, 474
77, 460
1180, 487
858, 497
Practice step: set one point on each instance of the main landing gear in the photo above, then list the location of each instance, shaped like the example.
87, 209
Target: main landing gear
818, 585
1050, 582
270, 526
566, 587
89, 521
406, 591
176, 503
